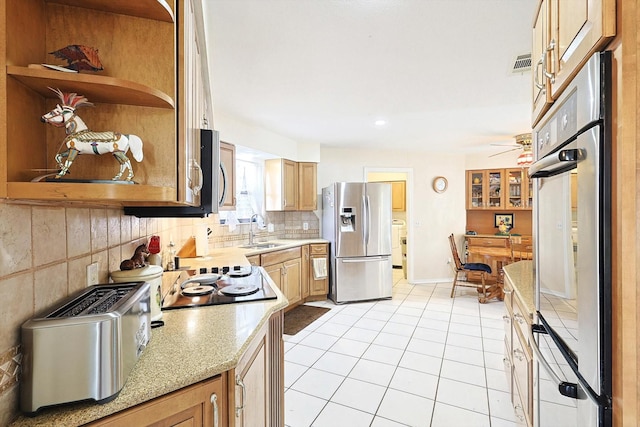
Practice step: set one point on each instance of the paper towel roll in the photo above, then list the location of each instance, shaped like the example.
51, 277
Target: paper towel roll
202, 240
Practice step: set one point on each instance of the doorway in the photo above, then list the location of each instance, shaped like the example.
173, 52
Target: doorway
403, 176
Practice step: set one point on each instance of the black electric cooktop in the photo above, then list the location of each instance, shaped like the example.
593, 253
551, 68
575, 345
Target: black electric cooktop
218, 286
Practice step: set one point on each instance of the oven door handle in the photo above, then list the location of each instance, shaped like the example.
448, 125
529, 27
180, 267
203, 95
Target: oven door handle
555, 164
600, 400
564, 387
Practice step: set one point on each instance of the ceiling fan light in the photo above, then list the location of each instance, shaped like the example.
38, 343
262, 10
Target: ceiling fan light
525, 158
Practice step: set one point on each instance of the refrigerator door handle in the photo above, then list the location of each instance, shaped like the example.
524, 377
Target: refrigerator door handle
366, 210
367, 259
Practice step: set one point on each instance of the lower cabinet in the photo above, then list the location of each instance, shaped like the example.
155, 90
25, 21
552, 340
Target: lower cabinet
202, 404
518, 358
249, 395
285, 269
318, 285
250, 387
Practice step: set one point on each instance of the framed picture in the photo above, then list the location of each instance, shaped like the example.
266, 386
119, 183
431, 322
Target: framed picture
506, 219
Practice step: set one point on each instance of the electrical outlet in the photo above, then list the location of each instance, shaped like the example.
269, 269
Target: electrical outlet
92, 274
305, 225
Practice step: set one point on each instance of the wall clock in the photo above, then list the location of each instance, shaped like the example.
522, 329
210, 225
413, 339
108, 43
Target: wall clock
440, 184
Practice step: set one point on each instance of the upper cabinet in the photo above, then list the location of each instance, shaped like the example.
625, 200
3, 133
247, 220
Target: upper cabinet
519, 188
290, 186
227, 182
499, 189
565, 35
146, 89
484, 189
307, 186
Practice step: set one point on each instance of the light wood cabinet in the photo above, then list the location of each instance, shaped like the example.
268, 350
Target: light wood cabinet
290, 186
285, 269
281, 185
518, 358
306, 271
519, 189
499, 189
135, 94
318, 286
485, 189
193, 102
565, 35
250, 387
398, 195
227, 182
202, 404
307, 186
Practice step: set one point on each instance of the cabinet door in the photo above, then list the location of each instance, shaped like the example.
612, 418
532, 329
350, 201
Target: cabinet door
578, 29
227, 183
251, 382
541, 57
290, 185
307, 272
485, 189
292, 272
191, 96
307, 186
519, 188
398, 196
275, 272
196, 405
318, 286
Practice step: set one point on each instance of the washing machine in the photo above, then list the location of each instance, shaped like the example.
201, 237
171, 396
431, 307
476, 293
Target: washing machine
398, 231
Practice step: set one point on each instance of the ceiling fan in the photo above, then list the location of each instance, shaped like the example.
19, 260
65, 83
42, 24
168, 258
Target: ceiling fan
523, 142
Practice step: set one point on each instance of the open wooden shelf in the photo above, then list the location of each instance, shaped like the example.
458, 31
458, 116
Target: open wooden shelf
96, 88
158, 10
91, 192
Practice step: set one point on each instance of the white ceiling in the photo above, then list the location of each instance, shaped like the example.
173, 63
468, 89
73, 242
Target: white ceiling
323, 71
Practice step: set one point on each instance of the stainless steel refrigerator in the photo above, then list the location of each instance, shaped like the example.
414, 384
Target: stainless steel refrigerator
356, 220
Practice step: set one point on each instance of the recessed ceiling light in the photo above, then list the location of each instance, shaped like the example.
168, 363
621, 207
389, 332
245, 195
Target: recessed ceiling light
380, 122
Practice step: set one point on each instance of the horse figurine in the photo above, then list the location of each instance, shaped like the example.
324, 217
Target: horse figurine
81, 140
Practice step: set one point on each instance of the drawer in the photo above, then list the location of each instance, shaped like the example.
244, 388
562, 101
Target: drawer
521, 320
507, 317
276, 257
522, 371
318, 249
508, 366
488, 242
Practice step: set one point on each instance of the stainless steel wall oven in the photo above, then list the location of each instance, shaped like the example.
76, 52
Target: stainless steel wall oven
571, 335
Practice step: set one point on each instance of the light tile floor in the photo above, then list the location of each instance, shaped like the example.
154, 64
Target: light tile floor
419, 359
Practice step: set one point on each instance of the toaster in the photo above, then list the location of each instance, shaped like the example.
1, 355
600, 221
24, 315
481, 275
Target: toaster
85, 347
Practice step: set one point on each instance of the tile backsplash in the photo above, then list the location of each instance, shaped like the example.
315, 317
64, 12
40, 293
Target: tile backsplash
45, 251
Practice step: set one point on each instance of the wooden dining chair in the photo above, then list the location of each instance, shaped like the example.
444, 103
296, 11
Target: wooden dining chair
484, 269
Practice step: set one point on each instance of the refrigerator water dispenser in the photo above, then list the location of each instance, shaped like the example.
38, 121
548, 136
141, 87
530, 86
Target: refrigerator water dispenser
347, 220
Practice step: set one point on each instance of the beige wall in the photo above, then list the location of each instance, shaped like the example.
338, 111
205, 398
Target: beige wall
44, 251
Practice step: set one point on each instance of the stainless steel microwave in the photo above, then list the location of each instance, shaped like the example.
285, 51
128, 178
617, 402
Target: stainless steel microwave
213, 174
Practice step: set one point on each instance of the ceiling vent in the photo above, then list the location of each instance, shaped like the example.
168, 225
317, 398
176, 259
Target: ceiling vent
522, 63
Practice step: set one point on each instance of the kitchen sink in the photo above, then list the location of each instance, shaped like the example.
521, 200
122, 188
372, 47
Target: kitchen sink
261, 246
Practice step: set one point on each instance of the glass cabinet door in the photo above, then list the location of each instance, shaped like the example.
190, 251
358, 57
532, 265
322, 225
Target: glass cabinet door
520, 189
495, 193
475, 188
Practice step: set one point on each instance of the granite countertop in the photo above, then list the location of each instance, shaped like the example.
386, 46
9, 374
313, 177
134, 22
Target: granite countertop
520, 274
193, 345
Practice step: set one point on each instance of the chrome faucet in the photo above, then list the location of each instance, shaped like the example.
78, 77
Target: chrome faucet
251, 233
